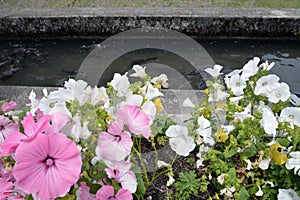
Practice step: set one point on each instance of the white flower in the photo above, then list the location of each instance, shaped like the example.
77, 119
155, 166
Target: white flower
139, 71
295, 100
281, 93
269, 122
97, 95
237, 84
202, 150
80, 131
250, 68
294, 162
188, 103
264, 164
214, 72
73, 90
205, 130
236, 100
180, 142
227, 128
267, 66
244, 114
221, 178
291, 115
249, 164
133, 99
170, 181
287, 194
152, 92
199, 162
233, 73
266, 84
121, 84
259, 193
161, 163
161, 80
218, 94
228, 192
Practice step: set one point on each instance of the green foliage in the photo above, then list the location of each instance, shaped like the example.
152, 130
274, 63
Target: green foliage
159, 128
187, 185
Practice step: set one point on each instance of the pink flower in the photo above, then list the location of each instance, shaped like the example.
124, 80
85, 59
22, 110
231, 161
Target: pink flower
107, 192
84, 192
31, 128
116, 144
136, 121
120, 171
58, 121
47, 165
5, 188
6, 128
8, 106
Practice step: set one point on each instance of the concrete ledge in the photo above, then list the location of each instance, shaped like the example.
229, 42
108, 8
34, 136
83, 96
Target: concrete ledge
91, 22
172, 99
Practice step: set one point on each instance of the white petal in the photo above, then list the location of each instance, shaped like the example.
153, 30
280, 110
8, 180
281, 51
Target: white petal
176, 131
188, 103
269, 122
264, 164
203, 122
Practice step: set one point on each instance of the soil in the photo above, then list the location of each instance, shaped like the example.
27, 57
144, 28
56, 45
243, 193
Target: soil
159, 190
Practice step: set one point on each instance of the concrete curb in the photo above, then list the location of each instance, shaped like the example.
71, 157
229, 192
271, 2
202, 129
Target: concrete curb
100, 22
172, 99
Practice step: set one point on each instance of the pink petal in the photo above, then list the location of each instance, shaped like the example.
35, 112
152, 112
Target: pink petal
112, 173
31, 128
5, 186
11, 143
48, 181
105, 192
136, 121
115, 147
116, 128
85, 192
8, 106
128, 181
124, 194
59, 120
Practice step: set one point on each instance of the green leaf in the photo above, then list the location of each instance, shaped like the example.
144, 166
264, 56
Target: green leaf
141, 186
249, 152
243, 194
233, 150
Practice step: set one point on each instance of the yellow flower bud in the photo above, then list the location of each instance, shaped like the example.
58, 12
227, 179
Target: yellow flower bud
158, 105
205, 91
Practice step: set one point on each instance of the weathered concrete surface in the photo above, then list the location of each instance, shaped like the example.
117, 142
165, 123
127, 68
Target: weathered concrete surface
85, 22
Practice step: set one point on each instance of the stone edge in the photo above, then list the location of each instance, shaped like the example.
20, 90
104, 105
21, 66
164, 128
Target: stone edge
103, 22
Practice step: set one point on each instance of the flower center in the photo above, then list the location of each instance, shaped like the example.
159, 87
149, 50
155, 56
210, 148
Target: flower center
264, 84
238, 84
49, 161
118, 138
1, 127
112, 197
291, 117
278, 95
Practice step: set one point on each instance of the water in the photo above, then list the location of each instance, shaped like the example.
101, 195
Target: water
51, 62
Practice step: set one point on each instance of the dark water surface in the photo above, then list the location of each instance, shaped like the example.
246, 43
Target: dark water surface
51, 62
